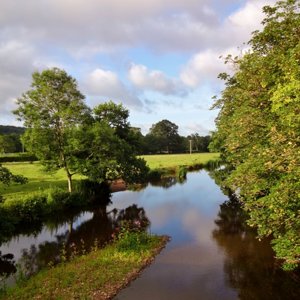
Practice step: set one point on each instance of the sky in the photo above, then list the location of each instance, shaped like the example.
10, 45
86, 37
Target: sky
159, 58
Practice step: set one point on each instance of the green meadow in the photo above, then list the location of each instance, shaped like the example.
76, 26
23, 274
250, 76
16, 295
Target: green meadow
169, 161
40, 180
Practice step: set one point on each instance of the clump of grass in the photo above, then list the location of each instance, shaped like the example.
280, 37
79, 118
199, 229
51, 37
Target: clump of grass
181, 172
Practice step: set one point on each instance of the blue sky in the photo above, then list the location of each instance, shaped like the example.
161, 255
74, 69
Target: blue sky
160, 58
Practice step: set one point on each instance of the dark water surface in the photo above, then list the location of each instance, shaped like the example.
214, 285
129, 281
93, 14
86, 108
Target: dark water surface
212, 254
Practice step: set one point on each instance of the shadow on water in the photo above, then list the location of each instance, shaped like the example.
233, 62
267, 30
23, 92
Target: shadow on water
249, 264
73, 239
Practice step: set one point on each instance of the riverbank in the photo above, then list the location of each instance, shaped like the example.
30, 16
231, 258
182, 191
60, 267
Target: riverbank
99, 274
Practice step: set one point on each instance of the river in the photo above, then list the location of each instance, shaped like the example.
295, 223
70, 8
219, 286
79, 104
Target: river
211, 255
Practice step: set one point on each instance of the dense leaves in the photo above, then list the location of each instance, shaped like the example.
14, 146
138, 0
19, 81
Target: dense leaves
51, 109
6, 177
164, 137
258, 129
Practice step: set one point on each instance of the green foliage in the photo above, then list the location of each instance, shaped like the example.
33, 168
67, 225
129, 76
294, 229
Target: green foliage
7, 177
7, 129
164, 137
181, 172
18, 157
133, 240
199, 143
51, 110
258, 129
106, 148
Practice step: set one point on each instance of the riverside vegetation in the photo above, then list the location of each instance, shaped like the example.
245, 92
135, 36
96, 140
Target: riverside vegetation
98, 274
258, 130
44, 194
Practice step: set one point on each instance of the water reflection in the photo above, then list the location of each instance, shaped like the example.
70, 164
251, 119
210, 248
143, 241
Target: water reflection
7, 265
249, 264
212, 254
76, 239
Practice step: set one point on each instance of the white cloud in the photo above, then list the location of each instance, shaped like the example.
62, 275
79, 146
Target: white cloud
204, 67
37, 34
106, 85
155, 80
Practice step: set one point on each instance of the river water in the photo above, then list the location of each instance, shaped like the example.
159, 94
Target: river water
211, 255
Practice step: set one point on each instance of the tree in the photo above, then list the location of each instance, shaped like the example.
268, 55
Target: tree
7, 144
51, 111
165, 136
199, 143
258, 129
106, 146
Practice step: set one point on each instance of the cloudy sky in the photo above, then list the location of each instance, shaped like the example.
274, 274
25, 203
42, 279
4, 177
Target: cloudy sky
160, 58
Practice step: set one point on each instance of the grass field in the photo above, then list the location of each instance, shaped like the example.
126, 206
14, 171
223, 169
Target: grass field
40, 180
173, 160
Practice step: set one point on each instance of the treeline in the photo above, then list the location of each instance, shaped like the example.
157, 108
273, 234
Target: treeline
163, 137
99, 143
258, 130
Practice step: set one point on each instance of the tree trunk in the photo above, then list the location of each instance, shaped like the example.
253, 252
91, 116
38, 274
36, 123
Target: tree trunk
69, 182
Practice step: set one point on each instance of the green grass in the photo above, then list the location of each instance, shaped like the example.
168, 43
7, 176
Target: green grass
38, 179
99, 274
164, 161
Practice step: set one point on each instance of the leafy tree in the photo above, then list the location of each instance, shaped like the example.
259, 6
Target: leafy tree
7, 144
106, 146
164, 135
199, 143
51, 110
7, 129
258, 129
6, 177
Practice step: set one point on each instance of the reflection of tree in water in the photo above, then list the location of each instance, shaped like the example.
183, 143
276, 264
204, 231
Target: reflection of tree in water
165, 182
134, 216
7, 265
96, 231
249, 264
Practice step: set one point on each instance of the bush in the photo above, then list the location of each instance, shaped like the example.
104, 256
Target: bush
154, 175
181, 172
133, 240
21, 157
29, 209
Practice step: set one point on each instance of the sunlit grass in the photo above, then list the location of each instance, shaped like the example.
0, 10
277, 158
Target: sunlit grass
38, 179
173, 160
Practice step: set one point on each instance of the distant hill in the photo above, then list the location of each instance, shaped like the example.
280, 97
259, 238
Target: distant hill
7, 129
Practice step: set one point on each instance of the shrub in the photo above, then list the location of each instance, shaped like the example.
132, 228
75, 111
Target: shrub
21, 157
181, 172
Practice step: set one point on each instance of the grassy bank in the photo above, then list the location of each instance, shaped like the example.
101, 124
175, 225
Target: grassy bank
97, 275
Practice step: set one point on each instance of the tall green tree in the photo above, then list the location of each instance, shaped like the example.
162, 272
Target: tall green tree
258, 129
164, 135
51, 111
106, 146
